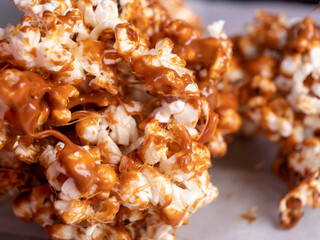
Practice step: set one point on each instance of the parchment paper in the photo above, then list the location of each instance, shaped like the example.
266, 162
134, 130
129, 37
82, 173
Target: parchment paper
241, 185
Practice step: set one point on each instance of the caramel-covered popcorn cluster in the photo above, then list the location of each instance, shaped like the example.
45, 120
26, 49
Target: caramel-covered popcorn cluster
108, 110
276, 70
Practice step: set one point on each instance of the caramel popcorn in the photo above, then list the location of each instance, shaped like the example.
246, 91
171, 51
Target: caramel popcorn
275, 72
108, 111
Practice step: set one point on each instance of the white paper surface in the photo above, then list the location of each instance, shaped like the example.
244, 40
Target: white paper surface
235, 175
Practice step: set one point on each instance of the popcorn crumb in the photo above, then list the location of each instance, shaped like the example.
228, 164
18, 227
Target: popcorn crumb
250, 215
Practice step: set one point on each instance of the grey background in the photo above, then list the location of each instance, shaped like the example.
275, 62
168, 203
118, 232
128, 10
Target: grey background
234, 175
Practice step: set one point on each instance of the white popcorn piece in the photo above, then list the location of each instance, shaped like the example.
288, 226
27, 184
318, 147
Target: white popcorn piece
307, 159
135, 190
215, 29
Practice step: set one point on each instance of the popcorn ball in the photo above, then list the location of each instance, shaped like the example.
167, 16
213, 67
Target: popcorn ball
275, 71
109, 111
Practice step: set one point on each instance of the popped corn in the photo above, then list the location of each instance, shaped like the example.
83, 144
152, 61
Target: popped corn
106, 114
278, 91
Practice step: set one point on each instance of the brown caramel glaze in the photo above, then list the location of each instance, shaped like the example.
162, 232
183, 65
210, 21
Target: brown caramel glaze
70, 19
78, 162
185, 142
296, 212
257, 65
93, 49
106, 177
173, 216
133, 162
210, 94
132, 34
21, 109
79, 165
161, 80
211, 126
111, 55
179, 32
202, 51
84, 114
21, 101
100, 97
301, 35
156, 139
208, 52
179, 143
